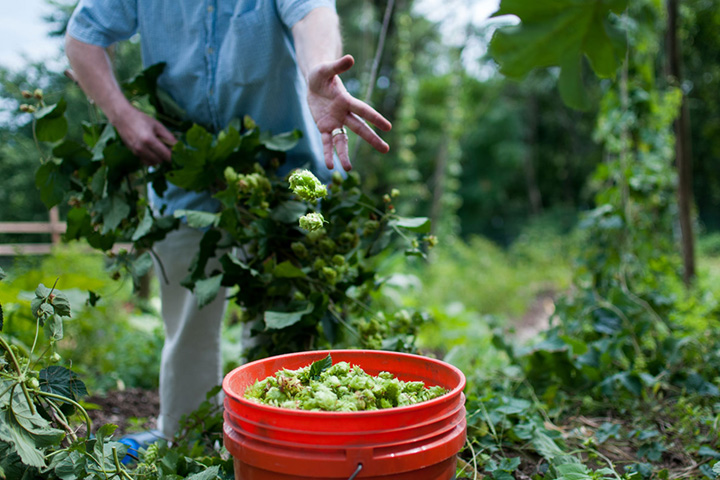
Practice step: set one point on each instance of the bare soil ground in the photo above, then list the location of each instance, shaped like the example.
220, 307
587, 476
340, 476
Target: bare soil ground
132, 410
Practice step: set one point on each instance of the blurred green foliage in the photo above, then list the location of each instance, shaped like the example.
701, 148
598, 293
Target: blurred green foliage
114, 344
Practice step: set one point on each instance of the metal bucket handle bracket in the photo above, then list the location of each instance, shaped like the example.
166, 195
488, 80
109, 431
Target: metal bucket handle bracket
357, 470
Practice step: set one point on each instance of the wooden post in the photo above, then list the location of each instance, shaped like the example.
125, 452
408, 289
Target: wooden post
56, 227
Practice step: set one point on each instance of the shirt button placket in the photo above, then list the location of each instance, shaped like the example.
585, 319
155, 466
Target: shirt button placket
210, 63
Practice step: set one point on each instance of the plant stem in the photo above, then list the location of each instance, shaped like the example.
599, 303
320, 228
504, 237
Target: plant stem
88, 422
62, 420
32, 349
15, 362
119, 468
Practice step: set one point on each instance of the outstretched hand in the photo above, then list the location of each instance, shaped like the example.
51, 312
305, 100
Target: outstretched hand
333, 107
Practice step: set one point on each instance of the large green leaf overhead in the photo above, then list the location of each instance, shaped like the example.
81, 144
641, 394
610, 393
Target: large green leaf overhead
558, 33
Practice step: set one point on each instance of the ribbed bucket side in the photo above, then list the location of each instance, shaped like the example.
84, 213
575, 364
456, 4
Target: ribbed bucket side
418, 442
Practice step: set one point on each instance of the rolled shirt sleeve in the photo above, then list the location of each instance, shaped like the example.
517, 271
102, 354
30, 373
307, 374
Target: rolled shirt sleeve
103, 22
292, 11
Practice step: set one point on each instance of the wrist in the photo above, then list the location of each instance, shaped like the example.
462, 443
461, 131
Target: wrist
118, 111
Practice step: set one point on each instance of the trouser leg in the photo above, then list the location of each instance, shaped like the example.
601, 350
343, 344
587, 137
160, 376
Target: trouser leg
191, 357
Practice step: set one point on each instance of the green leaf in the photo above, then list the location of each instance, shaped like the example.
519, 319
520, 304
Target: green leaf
53, 327
198, 219
105, 432
289, 212
108, 134
2, 274
514, 406
606, 431
71, 149
706, 451
121, 162
62, 381
211, 473
227, 141
287, 270
570, 84
61, 303
319, 366
279, 320
652, 451
199, 138
414, 224
93, 298
207, 289
281, 142
28, 432
573, 471
11, 465
43, 305
51, 183
114, 209
558, 33
68, 465
144, 226
50, 122
12, 433
142, 265
189, 168
144, 83
545, 446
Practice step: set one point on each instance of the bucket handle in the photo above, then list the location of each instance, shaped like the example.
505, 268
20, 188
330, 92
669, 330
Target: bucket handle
357, 470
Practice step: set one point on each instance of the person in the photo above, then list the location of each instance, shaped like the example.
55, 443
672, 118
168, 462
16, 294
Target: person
278, 62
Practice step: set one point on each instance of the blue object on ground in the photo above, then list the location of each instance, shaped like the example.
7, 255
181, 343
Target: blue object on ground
137, 441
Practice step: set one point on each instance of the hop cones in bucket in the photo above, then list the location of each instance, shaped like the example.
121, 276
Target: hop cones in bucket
415, 442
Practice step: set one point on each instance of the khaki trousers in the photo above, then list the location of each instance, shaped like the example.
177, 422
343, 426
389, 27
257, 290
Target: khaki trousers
191, 362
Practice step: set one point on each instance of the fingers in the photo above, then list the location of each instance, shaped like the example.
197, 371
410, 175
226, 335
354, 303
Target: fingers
160, 150
164, 135
146, 137
363, 110
151, 149
341, 147
361, 128
328, 150
338, 143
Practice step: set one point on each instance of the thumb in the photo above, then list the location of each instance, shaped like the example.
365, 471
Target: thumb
336, 67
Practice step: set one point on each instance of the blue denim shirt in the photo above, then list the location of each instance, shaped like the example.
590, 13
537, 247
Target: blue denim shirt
224, 59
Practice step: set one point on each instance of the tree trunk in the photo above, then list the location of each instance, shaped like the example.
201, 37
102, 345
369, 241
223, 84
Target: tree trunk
683, 148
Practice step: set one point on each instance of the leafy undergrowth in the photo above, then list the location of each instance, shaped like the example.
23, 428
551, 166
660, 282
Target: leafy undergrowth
512, 437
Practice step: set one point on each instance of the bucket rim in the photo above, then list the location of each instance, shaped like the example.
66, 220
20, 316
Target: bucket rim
234, 396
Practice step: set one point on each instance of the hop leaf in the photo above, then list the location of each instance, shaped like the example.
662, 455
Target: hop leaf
306, 185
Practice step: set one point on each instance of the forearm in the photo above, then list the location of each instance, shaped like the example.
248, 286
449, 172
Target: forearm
93, 71
317, 39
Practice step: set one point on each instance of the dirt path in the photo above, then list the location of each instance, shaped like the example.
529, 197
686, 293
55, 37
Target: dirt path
537, 318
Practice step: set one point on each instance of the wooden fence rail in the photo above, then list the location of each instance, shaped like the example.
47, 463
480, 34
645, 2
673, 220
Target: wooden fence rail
55, 228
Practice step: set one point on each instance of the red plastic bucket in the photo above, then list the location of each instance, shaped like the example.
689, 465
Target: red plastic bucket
417, 442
